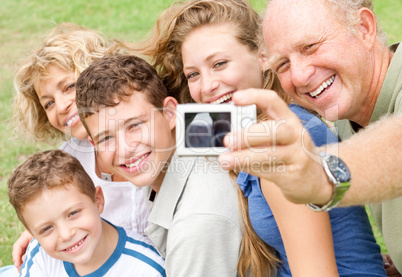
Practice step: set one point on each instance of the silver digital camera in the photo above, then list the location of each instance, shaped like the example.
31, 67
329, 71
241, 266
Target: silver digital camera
200, 128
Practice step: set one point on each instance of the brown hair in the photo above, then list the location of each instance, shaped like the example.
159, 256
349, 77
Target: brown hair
164, 49
114, 78
69, 47
177, 22
46, 170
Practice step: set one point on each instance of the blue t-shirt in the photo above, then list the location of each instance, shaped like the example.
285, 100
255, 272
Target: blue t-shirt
356, 250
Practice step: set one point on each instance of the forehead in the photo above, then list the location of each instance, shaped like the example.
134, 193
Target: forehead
293, 22
135, 105
217, 34
203, 43
50, 76
49, 202
297, 14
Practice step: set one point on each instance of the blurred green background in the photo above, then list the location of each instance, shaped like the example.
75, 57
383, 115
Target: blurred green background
24, 23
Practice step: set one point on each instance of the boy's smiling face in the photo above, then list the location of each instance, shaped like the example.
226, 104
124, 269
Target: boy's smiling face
66, 223
134, 139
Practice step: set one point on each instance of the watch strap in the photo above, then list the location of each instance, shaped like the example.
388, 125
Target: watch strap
339, 188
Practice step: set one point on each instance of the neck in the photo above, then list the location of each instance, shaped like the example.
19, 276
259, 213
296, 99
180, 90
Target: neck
104, 249
382, 59
156, 185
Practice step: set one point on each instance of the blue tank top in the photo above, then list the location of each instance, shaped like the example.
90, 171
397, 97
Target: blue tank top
356, 250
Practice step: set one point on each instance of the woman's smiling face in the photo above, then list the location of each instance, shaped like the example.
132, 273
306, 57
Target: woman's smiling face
217, 65
56, 93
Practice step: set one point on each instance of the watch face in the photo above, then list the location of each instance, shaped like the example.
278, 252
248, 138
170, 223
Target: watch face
339, 169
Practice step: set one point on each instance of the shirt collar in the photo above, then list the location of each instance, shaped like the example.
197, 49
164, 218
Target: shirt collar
165, 203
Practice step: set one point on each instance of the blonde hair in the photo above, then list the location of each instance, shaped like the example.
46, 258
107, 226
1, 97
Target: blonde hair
69, 47
164, 50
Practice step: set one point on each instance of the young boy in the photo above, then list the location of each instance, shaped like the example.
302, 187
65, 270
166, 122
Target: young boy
194, 221
59, 205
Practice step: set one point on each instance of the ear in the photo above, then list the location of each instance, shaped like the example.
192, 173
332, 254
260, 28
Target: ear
91, 141
169, 111
367, 27
99, 199
263, 56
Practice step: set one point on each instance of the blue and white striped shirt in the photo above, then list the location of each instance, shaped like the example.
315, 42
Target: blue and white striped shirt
134, 256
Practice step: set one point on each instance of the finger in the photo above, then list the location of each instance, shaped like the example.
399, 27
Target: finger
258, 161
267, 100
266, 133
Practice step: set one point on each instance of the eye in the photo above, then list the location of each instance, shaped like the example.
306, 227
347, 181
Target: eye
192, 75
106, 138
46, 229
282, 67
311, 48
134, 126
48, 105
73, 213
70, 87
220, 64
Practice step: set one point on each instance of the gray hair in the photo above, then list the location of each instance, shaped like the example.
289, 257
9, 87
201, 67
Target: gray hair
347, 9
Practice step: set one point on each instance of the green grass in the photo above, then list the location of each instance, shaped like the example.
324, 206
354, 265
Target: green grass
23, 24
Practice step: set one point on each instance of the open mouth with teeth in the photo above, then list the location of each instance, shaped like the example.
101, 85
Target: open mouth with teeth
224, 99
71, 120
138, 161
76, 246
325, 85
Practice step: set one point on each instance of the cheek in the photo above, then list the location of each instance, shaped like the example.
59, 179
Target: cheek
195, 92
286, 82
49, 245
244, 77
51, 116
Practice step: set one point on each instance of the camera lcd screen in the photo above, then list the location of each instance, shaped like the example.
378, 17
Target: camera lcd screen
205, 129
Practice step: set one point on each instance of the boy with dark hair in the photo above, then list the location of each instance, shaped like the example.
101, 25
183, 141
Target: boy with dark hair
194, 221
59, 205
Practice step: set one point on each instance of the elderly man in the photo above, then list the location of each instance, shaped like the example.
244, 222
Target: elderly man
331, 57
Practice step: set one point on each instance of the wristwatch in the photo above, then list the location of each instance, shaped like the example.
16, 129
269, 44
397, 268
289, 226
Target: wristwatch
339, 175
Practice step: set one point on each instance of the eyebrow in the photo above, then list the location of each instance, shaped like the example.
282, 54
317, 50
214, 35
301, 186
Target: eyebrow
273, 60
125, 122
208, 58
58, 85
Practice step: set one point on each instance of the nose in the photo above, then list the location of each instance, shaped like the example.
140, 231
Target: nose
66, 232
64, 102
127, 144
210, 83
301, 71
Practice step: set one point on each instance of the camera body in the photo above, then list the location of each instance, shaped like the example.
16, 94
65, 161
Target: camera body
200, 128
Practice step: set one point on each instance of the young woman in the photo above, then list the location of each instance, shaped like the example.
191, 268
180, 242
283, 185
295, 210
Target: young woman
45, 110
205, 51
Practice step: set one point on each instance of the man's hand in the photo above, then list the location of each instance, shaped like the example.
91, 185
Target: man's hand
278, 149
389, 266
19, 249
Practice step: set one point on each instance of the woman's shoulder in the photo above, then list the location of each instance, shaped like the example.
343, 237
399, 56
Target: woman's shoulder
78, 148
318, 130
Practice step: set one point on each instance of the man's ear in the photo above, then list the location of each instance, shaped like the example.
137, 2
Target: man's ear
169, 111
367, 27
99, 199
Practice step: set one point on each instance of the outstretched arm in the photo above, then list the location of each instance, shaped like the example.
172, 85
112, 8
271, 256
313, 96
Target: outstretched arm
374, 159
280, 151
